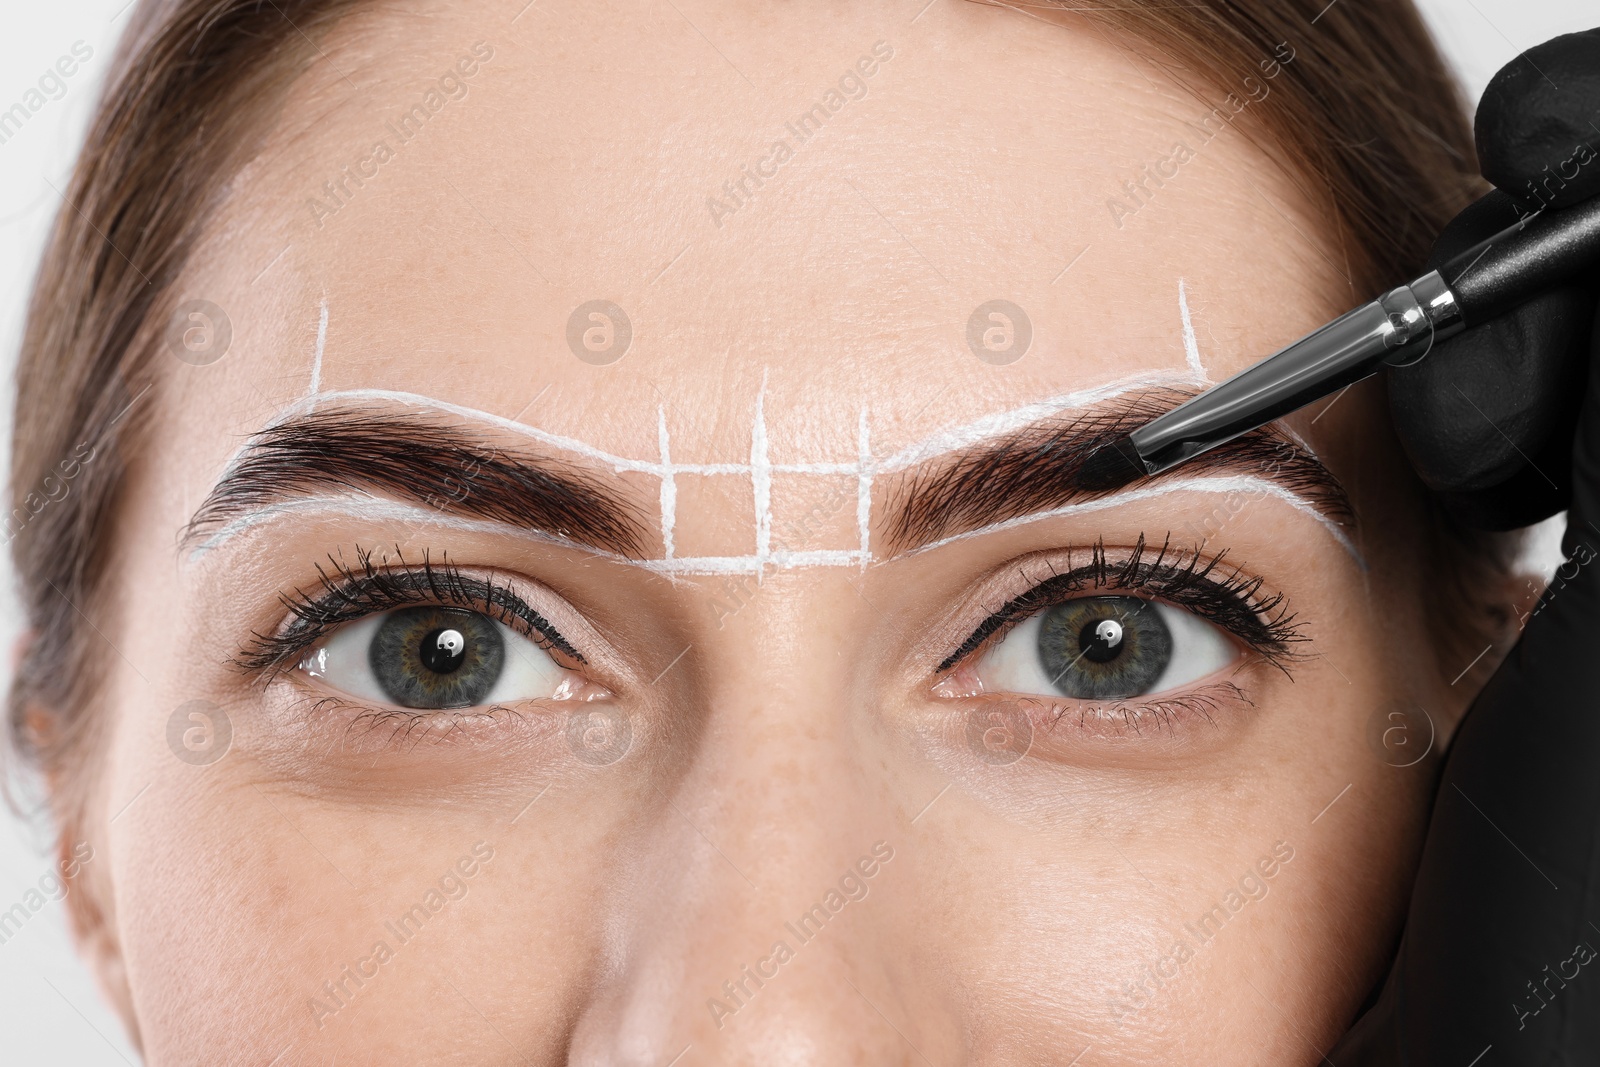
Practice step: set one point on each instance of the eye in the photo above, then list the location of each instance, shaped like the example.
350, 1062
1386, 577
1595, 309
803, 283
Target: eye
436, 657
1104, 648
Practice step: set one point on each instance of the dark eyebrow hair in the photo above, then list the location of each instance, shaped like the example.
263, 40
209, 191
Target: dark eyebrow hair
420, 459
1039, 468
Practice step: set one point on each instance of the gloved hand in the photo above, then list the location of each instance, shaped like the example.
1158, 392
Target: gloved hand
1500, 960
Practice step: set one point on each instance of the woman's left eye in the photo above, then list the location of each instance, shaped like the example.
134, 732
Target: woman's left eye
436, 657
1104, 648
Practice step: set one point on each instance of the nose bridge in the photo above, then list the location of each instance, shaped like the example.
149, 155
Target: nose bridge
749, 928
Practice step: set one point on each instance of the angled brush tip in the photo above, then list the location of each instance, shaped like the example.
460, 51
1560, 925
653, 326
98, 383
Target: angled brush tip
1111, 466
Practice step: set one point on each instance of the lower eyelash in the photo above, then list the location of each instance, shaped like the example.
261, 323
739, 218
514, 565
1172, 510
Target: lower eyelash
1166, 711
1232, 602
406, 723
1042, 717
407, 728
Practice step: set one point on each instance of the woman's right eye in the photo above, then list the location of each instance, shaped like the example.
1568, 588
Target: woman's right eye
434, 657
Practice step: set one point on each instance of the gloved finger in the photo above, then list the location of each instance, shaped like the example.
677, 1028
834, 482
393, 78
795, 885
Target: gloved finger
1487, 417
1538, 124
1503, 933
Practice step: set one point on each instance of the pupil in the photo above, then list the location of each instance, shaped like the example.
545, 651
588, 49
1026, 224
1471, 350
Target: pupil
1100, 641
443, 650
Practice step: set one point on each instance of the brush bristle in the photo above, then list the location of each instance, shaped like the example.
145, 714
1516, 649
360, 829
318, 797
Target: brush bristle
1111, 466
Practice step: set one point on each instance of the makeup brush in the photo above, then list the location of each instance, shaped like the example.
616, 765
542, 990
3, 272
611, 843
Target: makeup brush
1400, 327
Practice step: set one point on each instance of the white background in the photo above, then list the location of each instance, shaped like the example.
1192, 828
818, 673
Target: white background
49, 1009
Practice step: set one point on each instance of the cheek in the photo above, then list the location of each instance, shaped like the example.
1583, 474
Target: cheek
249, 910
1106, 906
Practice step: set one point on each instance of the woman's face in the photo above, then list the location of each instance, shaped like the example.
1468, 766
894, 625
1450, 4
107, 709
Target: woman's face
661, 626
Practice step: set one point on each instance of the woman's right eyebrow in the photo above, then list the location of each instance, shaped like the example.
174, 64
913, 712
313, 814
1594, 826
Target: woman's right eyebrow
418, 459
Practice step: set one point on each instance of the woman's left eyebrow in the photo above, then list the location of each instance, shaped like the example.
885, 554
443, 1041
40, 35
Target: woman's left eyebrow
1038, 469
421, 460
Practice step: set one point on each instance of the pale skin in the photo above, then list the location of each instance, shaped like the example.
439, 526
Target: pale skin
780, 730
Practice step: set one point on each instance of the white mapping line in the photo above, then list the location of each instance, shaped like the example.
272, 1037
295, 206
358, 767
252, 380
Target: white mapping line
760, 470
322, 341
761, 478
1005, 422
570, 444
362, 506
669, 484
864, 489
937, 444
1191, 347
365, 507
1219, 483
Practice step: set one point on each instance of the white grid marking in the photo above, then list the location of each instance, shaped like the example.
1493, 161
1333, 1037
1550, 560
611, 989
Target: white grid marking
760, 470
669, 484
761, 481
322, 342
864, 489
1191, 347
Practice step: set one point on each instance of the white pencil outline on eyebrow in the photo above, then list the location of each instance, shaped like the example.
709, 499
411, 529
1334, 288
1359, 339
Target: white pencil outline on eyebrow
937, 444
1210, 483
864, 469
1004, 422
364, 506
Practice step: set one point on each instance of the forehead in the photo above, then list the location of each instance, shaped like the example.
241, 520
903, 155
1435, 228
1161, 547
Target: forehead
588, 215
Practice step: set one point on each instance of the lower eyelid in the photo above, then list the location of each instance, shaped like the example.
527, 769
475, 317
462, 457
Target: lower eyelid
1001, 730
333, 729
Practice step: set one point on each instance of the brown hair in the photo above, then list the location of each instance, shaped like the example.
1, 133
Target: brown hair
1365, 119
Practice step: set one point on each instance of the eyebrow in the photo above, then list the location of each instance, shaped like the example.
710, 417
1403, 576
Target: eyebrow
1039, 469
414, 458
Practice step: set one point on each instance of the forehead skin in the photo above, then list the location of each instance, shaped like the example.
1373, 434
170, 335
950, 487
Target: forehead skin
977, 166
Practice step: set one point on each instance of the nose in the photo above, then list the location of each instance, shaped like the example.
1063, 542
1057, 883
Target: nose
753, 923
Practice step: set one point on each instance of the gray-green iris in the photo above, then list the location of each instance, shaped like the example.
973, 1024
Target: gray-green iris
1104, 648
430, 657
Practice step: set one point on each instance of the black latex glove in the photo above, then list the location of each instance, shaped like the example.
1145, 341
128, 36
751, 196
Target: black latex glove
1500, 962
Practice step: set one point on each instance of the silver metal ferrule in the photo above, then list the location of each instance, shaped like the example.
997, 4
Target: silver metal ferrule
1397, 328
1420, 315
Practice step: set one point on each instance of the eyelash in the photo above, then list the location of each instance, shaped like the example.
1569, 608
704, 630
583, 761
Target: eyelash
1232, 600
348, 594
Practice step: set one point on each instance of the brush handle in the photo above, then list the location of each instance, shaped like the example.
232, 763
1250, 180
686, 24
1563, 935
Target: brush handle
1522, 261
1401, 326
1402, 323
